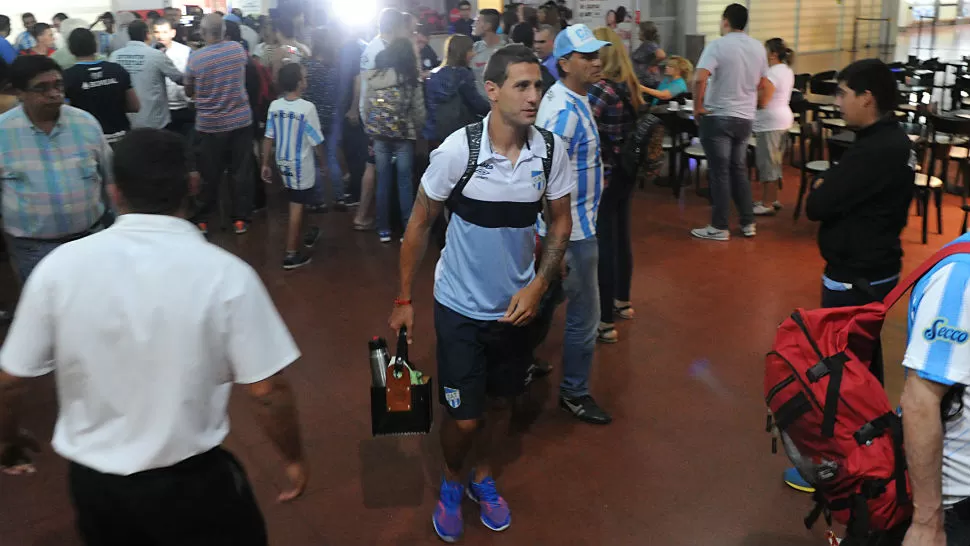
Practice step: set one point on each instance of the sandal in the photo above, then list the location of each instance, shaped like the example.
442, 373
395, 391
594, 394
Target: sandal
607, 334
624, 311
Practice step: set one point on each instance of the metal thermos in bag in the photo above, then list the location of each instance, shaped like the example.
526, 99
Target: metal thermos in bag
379, 360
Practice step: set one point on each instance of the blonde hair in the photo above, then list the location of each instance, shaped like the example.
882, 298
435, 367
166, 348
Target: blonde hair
617, 66
683, 65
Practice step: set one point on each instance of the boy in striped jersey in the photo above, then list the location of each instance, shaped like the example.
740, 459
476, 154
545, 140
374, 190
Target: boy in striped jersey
293, 133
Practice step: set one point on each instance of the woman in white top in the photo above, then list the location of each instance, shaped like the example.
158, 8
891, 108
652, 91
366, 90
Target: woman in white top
771, 124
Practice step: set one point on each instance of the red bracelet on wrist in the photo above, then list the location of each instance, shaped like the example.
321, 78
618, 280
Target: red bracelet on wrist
401, 303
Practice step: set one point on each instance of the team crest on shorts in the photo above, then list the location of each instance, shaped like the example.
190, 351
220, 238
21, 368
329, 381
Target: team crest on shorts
453, 397
538, 180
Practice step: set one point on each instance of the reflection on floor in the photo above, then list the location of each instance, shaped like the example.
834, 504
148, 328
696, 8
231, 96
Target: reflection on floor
686, 462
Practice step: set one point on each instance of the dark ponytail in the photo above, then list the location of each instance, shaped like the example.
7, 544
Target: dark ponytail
781, 49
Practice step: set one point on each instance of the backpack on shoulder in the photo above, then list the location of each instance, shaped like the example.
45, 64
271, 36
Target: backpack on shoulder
473, 135
834, 417
642, 155
386, 112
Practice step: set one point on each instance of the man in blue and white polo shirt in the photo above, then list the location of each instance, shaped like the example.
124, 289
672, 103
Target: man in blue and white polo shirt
565, 111
486, 288
936, 423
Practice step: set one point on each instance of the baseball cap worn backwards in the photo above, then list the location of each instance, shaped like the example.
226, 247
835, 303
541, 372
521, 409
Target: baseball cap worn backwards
578, 38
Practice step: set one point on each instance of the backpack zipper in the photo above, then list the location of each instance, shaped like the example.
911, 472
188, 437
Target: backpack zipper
777, 388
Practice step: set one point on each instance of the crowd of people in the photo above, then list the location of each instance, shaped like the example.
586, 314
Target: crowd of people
114, 145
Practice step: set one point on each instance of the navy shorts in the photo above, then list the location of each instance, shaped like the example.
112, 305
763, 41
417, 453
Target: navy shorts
478, 359
310, 196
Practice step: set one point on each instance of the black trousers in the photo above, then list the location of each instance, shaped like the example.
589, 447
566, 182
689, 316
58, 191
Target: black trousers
205, 500
183, 122
615, 248
213, 148
860, 296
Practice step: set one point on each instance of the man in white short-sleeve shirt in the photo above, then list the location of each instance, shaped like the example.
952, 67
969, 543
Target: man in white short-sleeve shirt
936, 424
486, 287
147, 326
729, 73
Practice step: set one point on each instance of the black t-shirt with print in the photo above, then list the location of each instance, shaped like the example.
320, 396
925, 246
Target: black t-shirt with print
99, 88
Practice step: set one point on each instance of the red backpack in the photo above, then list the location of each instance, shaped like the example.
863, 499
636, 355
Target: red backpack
833, 415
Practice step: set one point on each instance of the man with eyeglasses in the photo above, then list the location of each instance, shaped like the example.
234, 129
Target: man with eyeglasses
54, 164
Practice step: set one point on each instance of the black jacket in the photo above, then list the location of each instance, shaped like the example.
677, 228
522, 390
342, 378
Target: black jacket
863, 205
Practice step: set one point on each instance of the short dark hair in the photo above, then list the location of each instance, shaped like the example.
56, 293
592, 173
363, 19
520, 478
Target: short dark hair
39, 29
59, 17
81, 43
24, 16
151, 171
108, 16
4, 23
736, 15
28, 67
290, 76
389, 20
138, 31
161, 21
497, 69
874, 76
464, 4
153, 15
491, 17
233, 32
524, 34
285, 27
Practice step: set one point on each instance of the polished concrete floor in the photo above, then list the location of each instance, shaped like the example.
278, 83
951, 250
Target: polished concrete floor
686, 462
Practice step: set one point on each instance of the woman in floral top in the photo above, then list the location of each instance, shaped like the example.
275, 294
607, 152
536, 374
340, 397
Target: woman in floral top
615, 109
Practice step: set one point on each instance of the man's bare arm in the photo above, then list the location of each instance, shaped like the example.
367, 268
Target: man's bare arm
923, 431
700, 88
276, 409
560, 226
425, 212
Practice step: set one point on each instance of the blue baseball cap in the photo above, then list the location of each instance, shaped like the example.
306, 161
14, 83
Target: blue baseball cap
576, 38
232, 18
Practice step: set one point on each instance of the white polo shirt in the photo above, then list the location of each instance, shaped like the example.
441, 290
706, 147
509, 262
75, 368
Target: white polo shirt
481, 268
146, 326
938, 349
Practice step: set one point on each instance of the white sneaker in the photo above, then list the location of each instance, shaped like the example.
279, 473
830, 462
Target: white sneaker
711, 233
749, 230
761, 210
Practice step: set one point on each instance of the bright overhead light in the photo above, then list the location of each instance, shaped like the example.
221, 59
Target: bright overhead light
355, 13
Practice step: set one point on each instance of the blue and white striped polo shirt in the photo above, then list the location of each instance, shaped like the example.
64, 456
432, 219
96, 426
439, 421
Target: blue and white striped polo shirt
938, 349
481, 267
295, 129
568, 115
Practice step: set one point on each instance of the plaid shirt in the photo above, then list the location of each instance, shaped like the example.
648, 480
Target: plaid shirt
613, 117
52, 183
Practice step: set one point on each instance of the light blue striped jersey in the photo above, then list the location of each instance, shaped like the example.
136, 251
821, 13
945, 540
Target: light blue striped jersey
295, 128
568, 115
938, 349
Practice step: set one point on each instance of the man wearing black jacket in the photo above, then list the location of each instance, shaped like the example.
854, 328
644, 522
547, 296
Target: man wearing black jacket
862, 203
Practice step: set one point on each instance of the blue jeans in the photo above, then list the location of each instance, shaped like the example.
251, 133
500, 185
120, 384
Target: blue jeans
582, 316
725, 142
401, 153
25, 254
332, 143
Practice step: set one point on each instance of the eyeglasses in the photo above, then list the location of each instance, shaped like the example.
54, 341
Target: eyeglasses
44, 88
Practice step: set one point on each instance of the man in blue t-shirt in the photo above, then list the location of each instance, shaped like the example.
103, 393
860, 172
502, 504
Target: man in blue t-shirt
7, 52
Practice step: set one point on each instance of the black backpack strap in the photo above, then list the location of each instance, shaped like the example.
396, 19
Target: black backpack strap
473, 134
550, 141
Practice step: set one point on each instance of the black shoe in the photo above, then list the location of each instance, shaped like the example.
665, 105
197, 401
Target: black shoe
537, 370
585, 409
317, 209
293, 261
311, 237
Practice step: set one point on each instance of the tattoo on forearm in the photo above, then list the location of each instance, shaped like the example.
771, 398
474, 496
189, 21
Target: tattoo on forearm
277, 412
553, 252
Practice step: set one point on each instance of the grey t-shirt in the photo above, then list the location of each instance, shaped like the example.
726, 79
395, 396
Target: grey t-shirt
737, 62
483, 52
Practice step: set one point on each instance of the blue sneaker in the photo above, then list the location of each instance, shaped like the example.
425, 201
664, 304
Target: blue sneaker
495, 511
795, 480
447, 516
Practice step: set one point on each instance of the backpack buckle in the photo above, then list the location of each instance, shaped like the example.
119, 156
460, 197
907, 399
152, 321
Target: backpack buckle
826, 471
818, 371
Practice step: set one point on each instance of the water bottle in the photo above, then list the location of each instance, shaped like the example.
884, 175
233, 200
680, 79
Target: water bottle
379, 360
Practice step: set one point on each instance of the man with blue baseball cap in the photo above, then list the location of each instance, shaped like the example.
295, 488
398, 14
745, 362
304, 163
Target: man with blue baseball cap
565, 111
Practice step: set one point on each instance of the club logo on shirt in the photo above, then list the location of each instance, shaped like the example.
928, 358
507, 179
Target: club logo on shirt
453, 397
538, 180
940, 331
